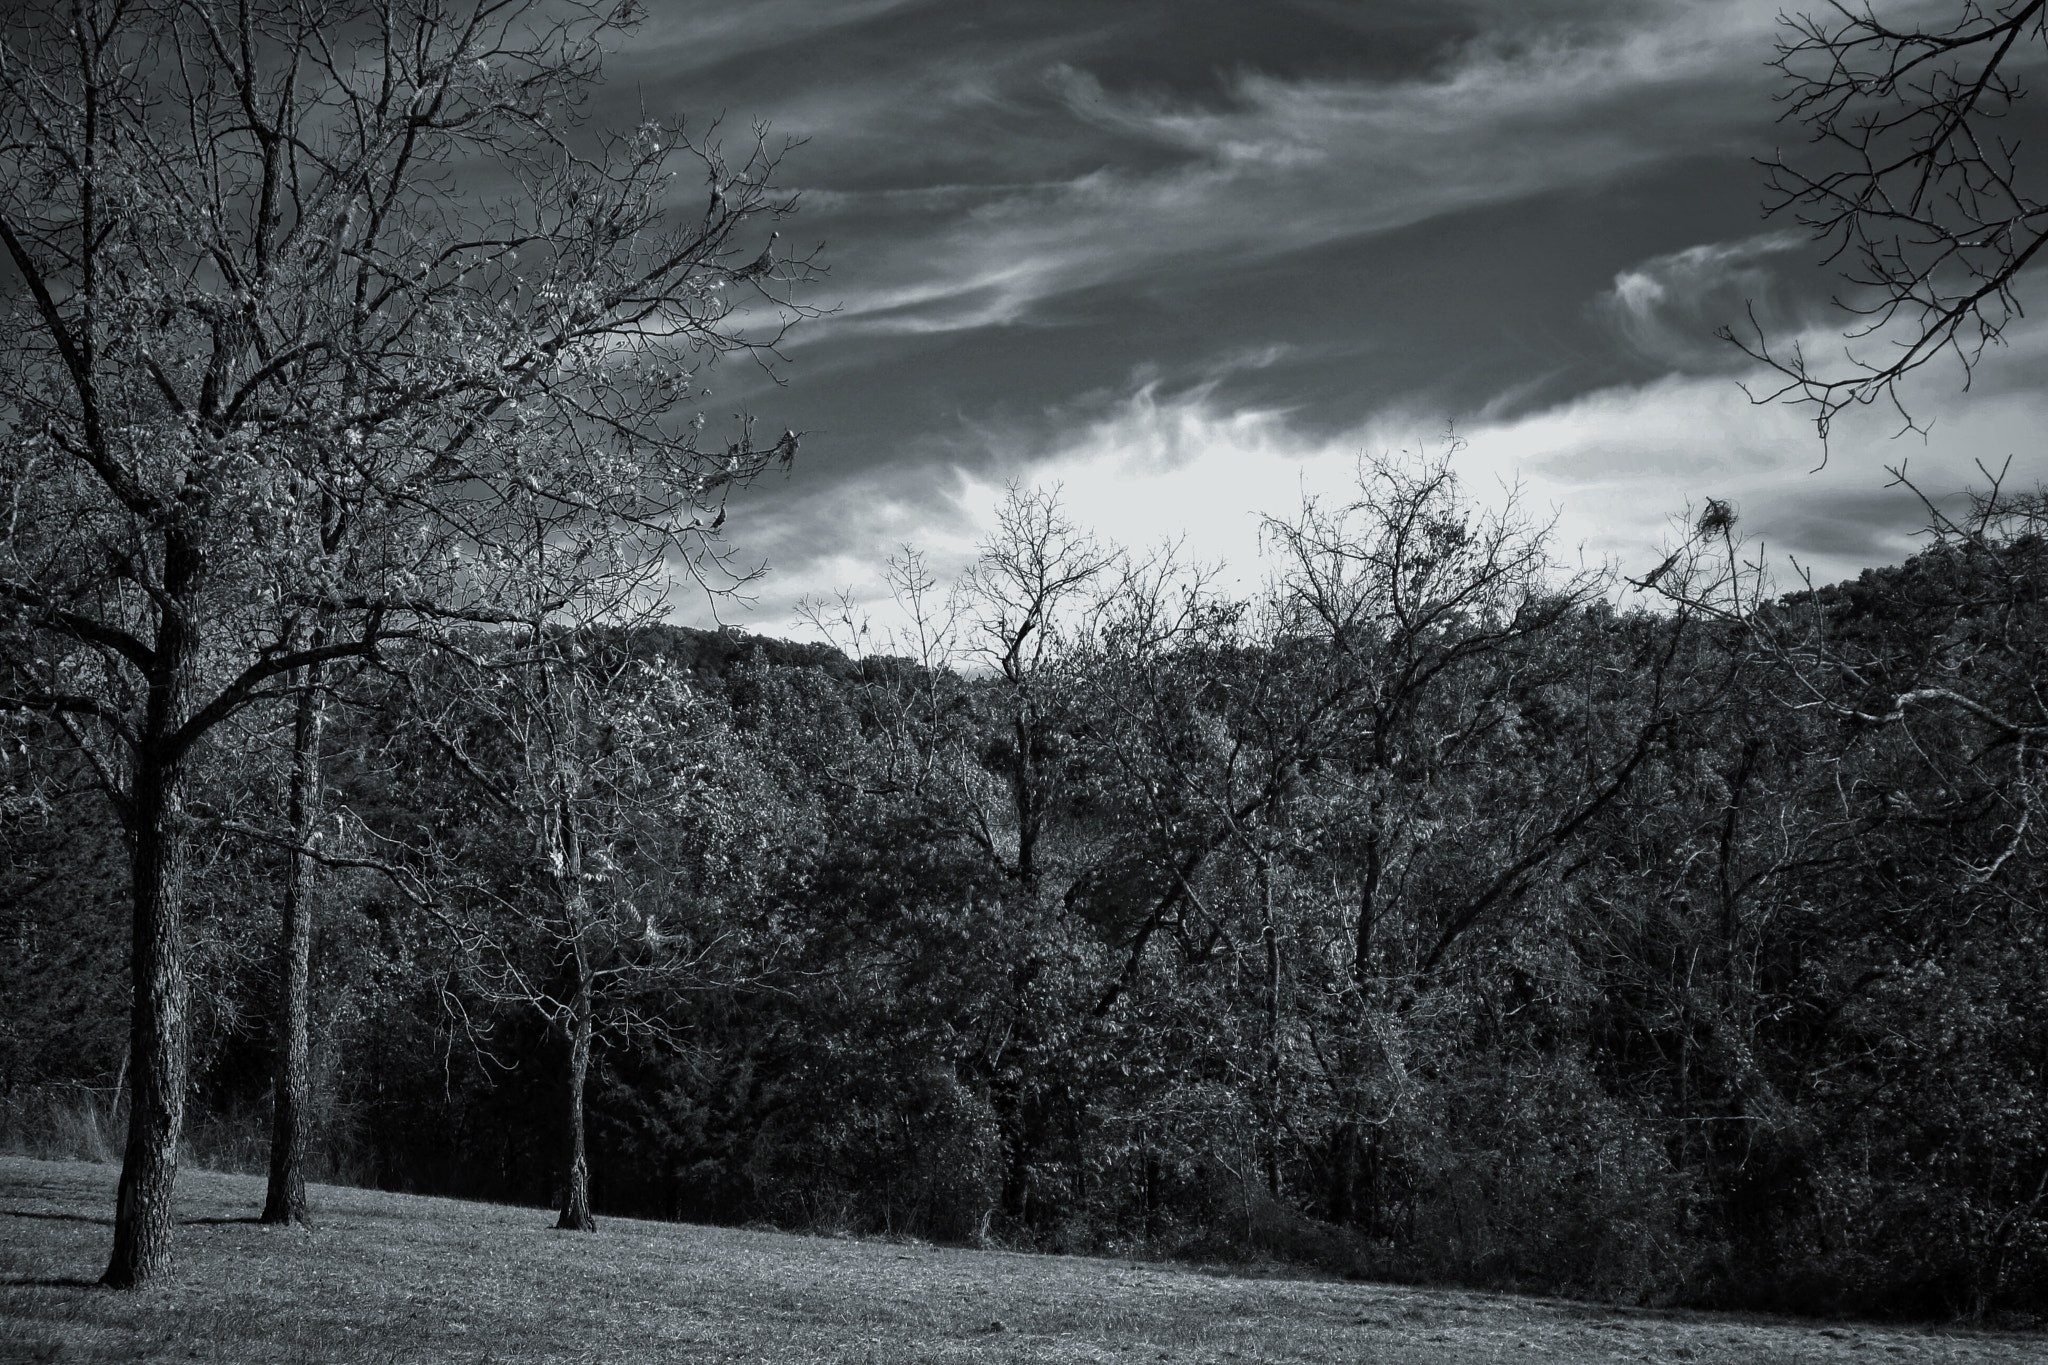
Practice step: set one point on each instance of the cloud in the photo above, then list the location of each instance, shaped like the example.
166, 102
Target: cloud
1619, 463
1507, 228
686, 35
820, 539
1145, 469
1668, 307
1618, 469
1284, 165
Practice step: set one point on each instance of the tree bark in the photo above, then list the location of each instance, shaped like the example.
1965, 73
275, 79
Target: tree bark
1024, 784
576, 1213
144, 1213
1369, 907
292, 1086
144, 1216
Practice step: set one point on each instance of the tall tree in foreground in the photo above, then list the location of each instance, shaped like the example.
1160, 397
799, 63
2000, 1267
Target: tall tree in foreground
279, 381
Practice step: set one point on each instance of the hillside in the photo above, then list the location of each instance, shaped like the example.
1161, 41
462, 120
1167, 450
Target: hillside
411, 1279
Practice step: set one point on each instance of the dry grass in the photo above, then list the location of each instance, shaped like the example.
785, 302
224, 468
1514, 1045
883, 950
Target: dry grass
405, 1279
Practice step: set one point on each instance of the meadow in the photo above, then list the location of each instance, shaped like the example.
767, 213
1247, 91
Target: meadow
403, 1278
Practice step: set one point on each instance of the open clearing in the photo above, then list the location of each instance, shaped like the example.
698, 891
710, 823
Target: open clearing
407, 1279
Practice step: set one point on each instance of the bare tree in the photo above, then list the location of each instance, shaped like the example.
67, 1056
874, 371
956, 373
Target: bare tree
1916, 182
1016, 611
1963, 685
280, 382
1383, 603
588, 757
1364, 718
1033, 571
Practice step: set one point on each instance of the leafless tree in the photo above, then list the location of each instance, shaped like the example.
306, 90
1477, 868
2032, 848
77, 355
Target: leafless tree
1030, 575
1016, 612
1361, 704
589, 757
1915, 177
1963, 685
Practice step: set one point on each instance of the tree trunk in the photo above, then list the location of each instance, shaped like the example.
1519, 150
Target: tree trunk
576, 1197
566, 857
144, 1216
1024, 791
292, 1087
1343, 1172
1152, 1184
1270, 938
1369, 907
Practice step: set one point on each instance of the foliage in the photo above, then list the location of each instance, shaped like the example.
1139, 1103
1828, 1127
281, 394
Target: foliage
280, 388
1437, 919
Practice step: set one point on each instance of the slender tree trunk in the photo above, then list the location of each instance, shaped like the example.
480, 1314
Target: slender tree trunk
1012, 1096
144, 1216
1269, 934
1343, 1172
120, 1087
1024, 790
567, 861
576, 1197
1369, 907
1152, 1183
1367, 1190
291, 1089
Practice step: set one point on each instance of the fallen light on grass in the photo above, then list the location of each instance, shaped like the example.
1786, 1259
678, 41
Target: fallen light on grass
420, 1281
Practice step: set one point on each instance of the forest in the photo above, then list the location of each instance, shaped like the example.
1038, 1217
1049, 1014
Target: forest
1429, 916
1431, 912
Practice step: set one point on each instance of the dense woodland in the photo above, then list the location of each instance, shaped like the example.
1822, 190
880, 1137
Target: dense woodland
1428, 915
1431, 912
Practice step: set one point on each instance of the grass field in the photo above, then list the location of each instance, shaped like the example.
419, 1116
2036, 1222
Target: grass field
396, 1278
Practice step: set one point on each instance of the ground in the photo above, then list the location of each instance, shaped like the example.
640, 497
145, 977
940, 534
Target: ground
417, 1281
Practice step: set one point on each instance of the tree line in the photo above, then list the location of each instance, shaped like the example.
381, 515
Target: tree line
1425, 914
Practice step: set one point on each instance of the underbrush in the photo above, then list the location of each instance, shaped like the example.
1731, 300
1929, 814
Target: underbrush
59, 1122
1578, 1207
63, 1123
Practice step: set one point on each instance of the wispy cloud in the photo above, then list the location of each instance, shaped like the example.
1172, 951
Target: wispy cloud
1191, 287
686, 35
1669, 307
1619, 462
1283, 165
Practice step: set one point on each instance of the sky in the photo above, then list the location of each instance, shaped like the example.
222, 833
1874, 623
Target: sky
1192, 260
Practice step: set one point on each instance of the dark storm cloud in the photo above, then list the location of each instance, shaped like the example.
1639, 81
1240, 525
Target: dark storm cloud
1304, 220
